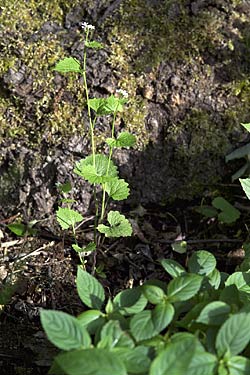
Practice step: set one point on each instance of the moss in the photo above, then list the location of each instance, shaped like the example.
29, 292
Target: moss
24, 49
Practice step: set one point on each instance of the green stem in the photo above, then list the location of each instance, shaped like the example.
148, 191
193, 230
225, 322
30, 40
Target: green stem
109, 161
91, 123
92, 126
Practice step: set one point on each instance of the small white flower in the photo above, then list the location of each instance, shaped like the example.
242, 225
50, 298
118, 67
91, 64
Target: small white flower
122, 92
87, 26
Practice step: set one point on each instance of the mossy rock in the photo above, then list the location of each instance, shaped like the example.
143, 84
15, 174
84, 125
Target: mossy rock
185, 65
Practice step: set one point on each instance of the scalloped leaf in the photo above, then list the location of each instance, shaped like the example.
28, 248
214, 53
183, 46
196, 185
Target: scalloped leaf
67, 217
119, 226
117, 189
107, 106
93, 44
69, 64
124, 139
96, 174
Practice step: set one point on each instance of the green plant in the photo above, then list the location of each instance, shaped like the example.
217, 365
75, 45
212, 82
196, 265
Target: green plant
220, 208
98, 169
197, 323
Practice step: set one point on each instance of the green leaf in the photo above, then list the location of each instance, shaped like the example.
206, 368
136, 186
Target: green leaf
135, 360
245, 183
142, 326
246, 126
130, 301
67, 217
179, 247
93, 44
64, 330
87, 249
153, 293
124, 139
149, 323
69, 64
106, 106
17, 228
184, 287
238, 365
91, 362
112, 336
117, 189
119, 226
89, 289
241, 280
172, 267
98, 173
214, 314
89, 316
234, 334
239, 153
202, 262
229, 213
162, 316
214, 279
64, 188
207, 211
184, 357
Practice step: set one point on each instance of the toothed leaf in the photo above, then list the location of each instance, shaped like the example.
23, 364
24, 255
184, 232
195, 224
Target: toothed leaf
124, 139
94, 44
69, 64
117, 189
96, 174
67, 217
119, 226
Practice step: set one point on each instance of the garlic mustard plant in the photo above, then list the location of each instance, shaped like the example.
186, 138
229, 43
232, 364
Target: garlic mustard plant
98, 169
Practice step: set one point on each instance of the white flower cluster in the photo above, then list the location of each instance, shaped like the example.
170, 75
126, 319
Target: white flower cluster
87, 26
122, 92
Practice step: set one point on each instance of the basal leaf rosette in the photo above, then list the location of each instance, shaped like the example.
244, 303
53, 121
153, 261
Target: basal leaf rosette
67, 217
69, 64
101, 172
117, 189
125, 139
119, 226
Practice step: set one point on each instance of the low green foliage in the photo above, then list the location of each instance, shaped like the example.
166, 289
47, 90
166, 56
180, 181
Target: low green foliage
188, 326
222, 209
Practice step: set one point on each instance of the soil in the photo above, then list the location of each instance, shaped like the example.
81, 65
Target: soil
180, 159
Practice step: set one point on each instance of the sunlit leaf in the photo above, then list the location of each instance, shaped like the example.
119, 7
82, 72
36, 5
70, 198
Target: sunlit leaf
93, 44
17, 228
124, 139
67, 217
89, 289
99, 173
117, 189
184, 287
202, 262
69, 64
119, 226
234, 334
64, 330
245, 183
